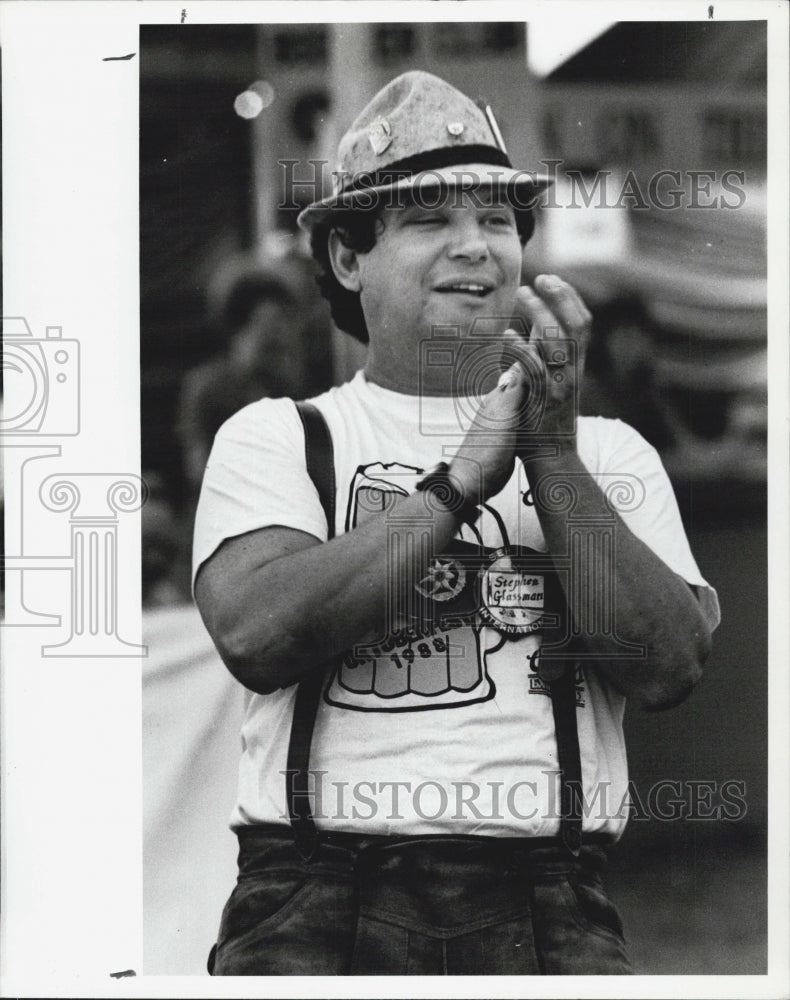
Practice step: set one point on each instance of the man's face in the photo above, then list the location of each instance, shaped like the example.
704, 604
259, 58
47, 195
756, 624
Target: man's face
436, 267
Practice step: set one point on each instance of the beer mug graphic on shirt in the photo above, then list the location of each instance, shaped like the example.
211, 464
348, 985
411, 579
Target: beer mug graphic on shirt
426, 660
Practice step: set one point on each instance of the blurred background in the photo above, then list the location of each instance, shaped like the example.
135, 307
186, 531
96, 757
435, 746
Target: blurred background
656, 133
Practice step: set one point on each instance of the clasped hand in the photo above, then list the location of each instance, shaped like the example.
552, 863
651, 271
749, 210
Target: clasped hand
537, 396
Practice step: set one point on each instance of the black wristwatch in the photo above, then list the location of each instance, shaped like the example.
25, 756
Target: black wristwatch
444, 488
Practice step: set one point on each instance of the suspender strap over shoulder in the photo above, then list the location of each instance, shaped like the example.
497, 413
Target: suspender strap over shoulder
319, 459
321, 469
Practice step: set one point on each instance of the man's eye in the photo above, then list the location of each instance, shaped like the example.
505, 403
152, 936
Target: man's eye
427, 220
501, 220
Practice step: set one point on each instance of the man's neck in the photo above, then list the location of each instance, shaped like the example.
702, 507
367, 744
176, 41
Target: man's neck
442, 370
397, 381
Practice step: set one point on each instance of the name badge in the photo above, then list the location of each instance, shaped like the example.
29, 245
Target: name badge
513, 595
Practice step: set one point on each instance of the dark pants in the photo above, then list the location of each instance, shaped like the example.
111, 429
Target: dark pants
424, 906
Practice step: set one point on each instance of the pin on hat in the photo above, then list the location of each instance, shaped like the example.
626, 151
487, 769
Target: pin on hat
419, 131
380, 136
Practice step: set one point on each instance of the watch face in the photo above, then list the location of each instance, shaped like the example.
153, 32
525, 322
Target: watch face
513, 594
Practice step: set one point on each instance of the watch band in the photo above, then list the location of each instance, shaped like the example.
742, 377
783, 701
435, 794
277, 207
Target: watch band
444, 488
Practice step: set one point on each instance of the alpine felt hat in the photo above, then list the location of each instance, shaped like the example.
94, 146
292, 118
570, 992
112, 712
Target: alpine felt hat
420, 133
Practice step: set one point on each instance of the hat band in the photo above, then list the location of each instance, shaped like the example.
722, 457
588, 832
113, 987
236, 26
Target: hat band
432, 159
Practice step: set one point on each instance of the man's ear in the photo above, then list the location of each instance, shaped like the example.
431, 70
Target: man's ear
345, 263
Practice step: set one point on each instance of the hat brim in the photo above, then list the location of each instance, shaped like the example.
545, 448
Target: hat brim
520, 187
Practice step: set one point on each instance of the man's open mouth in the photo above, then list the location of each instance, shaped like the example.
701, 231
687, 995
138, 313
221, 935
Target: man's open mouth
466, 288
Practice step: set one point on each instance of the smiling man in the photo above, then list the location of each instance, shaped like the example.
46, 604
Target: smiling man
439, 587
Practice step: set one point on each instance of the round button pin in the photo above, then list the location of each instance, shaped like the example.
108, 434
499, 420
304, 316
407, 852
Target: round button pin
455, 128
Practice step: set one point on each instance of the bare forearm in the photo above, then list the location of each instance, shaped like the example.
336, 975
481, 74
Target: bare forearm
652, 606
286, 615
278, 603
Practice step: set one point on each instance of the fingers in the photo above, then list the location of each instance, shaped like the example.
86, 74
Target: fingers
508, 388
509, 376
515, 349
554, 311
564, 301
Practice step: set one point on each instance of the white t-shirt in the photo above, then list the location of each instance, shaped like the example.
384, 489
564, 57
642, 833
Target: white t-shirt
450, 732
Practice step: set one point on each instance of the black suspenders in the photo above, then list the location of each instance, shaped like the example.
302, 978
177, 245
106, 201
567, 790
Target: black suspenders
321, 469
563, 703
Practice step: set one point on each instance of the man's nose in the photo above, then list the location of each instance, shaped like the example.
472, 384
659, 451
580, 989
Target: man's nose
469, 242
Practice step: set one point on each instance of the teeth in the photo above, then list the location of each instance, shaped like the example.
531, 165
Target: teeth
477, 289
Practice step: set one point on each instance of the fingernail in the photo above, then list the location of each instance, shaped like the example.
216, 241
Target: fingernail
509, 376
551, 282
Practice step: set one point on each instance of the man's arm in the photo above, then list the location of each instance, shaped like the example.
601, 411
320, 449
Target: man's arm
653, 606
278, 603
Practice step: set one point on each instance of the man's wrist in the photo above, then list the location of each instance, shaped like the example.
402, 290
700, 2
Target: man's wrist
447, 489
547, 452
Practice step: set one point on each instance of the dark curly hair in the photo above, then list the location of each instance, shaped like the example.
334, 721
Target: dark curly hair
358, 230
